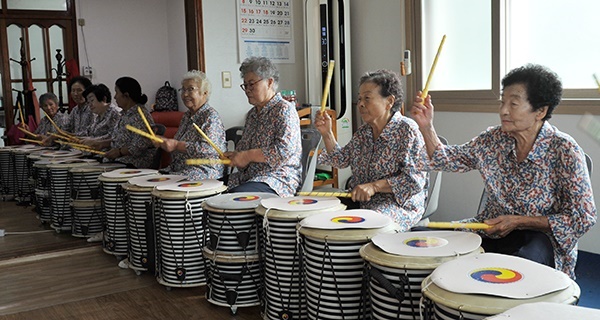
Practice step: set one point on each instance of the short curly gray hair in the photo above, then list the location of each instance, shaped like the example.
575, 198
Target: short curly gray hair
262, 67
201, 79
389, 85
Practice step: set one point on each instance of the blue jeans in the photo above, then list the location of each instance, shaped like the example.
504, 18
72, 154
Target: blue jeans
528, 244
252, 186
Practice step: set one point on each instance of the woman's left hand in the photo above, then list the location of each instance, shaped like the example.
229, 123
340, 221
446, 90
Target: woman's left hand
113, 153
238, 159
503, 225
363, 192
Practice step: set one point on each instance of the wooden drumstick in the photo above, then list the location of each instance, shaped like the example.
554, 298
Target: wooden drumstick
435, 60
82, 147
458, 225
62, 132
29, 140
221, 154
597, 81
27, 132
327, 84
199, 162
143, 133
146, 121
326, 194
21, 113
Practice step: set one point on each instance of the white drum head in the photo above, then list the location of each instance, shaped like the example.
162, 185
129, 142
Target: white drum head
300, 203
156, 180
428, 243
547, 310
60, 153
126, 174
348, 219
239, 201
499, 275
192, 186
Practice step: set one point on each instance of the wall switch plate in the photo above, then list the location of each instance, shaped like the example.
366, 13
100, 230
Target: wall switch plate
87, 72
226, 79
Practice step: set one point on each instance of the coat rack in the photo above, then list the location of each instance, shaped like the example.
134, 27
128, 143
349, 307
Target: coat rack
60, 77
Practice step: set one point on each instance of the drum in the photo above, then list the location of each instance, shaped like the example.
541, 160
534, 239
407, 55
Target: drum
42, 185
399, 262
87, 217
233, 281
181, 235
84, 180
478, 286
113, 203
141, 230
547, 310
60, 185
232, 222
282, 275
23, 171
7, 173
333, 268
55, 154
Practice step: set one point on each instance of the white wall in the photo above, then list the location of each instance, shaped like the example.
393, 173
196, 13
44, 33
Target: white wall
460, 192
132, 38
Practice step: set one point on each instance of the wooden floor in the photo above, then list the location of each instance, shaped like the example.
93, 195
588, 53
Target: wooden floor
56, 276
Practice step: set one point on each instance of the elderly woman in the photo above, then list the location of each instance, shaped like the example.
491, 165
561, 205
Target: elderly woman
382, 153
49, 103
107, 115
540, 196
126, 146
187, 143
80, 117
268, 154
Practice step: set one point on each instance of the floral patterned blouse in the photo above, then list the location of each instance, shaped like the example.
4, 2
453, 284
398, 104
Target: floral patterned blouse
553, 181
104, 124
276, 131
393, 157
140, 148
80, 119
208, 119
45, 127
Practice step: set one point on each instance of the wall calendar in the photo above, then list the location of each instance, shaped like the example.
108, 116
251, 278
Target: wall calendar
265, 29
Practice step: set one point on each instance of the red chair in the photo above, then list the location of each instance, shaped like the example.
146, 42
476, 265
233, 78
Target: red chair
171, 120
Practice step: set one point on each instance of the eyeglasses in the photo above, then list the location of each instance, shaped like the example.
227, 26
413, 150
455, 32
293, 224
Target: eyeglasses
187, 90
250, 85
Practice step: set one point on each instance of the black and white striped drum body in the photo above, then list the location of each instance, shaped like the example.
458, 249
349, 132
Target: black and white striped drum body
60, 187
114, 206
87, 217
233, 280
7, 172
84, 180
141, 227
232, 222
282, 274
23, 171
547, 310
487, 284
333, 268
399, 262
182, 236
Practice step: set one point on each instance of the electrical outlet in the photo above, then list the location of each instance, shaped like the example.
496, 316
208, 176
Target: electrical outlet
226, 79
81, 22
87, 72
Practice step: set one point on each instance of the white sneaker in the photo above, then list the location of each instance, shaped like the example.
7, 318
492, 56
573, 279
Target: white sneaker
98, 237
124, 264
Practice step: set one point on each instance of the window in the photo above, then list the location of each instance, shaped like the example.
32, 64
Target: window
39, 27
486, 39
